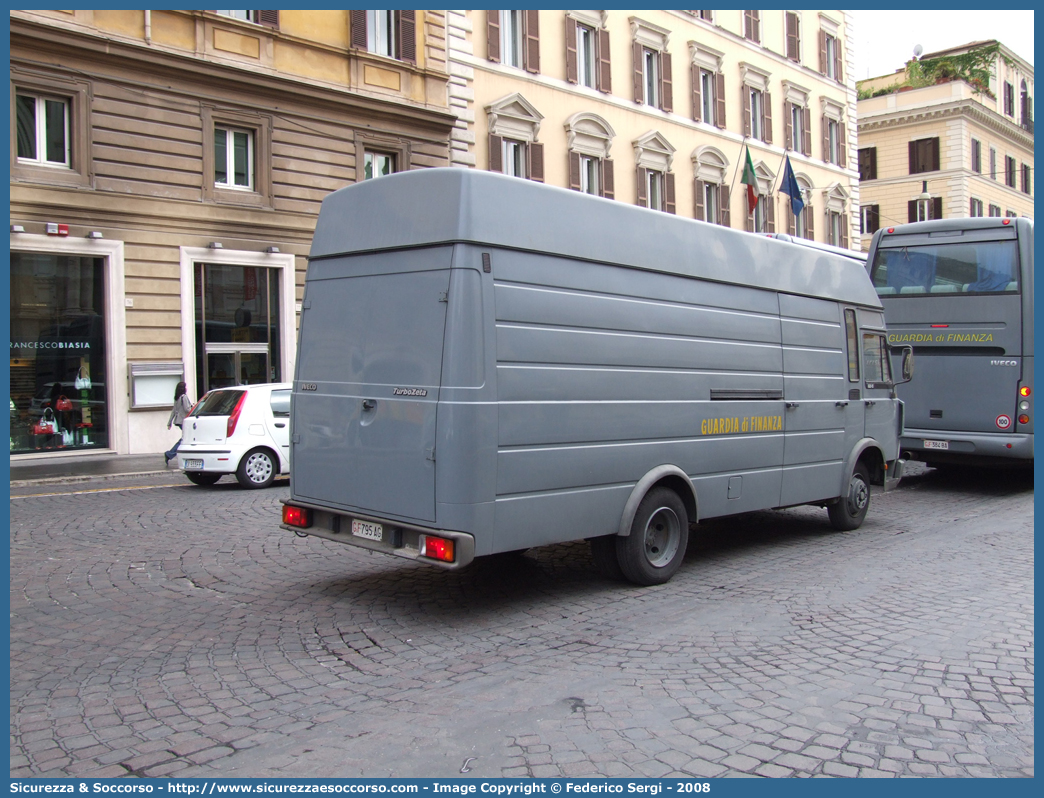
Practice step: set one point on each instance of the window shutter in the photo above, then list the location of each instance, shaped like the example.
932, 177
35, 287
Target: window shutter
911, 210
822, 52
608, 188
700, 209
719, 100
694, 74
536, 162
793, 50
748, 225
756, 17
873, 163
788, 125
766, 117
770, 214
845, 223
268, 18
532, 55
791, 221
605, 74
746, 109
809, 216
643, 199
747, 26
826, 139
496, 153
574, 171
936, 211
668, 193
875, 218
726, 209
639, 91
357, 23
666, 83
492, 35
408, 36
934, 150
838, 62
572, 70
912, 152
806, 133
841, 133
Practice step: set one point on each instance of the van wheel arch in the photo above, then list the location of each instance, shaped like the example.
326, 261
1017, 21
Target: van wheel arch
668, 476
869, 454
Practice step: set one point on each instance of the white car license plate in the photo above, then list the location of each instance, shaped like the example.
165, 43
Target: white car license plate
367, 530
936, 444
191, 465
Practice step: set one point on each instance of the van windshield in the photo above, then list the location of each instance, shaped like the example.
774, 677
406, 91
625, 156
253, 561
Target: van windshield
985, 267
218, 403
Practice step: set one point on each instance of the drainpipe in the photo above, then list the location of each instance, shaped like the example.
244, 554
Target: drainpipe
148, 27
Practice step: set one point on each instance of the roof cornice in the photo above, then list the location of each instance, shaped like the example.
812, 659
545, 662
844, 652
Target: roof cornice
976, 111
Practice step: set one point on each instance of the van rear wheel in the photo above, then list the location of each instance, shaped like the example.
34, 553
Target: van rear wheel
850, 510
654, 550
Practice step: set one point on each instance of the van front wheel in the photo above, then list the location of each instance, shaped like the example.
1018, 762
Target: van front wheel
654, 550
850, 510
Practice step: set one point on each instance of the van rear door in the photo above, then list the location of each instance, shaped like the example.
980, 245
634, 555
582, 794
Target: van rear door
368, 377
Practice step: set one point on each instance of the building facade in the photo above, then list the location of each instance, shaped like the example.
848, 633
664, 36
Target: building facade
968, 141
658, 108
167, 169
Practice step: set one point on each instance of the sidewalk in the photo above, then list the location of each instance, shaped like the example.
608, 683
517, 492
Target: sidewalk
74, 468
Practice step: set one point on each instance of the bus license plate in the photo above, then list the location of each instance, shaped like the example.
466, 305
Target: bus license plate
191, 465
936, 444
362, 529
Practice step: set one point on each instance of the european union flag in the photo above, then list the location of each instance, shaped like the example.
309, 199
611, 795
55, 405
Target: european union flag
790, 186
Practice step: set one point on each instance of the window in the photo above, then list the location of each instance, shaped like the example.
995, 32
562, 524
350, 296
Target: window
995, 210
793, 25
389, 33
43, 131
976, 156
763, 218
711, 190
837, 234
1009, 99
1009, 171
1011, 213
993, 163
590, 169
830, 56
797, 119
514, 158
924, 155
876, 361
378, 164
796, 133
655, 193
653, 84
655, 181
757, 103
587, 50
867, 163
513, 149
833, 143
852, 334
708, 85
266, 17
1026, 172
976, 207
248, 16
752, 26
513, 38
869, 219
918, 211
971, 268
233, 158
706, 16
1027, 108
280, 403
712, 205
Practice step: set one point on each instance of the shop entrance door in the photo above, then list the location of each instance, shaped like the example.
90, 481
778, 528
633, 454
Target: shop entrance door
235, 364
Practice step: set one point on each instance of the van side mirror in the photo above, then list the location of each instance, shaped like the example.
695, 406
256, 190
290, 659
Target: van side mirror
908, 365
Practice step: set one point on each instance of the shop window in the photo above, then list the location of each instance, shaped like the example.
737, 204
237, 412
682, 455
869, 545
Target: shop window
59, 356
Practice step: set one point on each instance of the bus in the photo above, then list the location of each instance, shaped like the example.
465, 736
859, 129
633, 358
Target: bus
960, 291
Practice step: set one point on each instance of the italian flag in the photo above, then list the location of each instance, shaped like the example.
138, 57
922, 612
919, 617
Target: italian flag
752, 183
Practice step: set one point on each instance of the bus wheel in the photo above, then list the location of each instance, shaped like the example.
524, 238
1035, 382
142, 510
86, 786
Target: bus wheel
850, 510
654, 550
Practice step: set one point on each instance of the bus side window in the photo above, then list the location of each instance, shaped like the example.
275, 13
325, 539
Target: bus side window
853, 345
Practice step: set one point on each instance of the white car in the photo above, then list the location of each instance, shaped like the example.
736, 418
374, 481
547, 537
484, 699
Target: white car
243, 430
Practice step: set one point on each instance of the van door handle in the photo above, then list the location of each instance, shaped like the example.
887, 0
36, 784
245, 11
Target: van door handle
840, 404
791, 405
369, 404
279, 424
870, 402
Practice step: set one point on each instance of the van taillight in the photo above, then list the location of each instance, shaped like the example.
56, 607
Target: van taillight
436, 548
297, 516
234, 418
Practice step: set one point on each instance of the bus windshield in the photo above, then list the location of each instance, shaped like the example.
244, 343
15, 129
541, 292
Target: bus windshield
985, 267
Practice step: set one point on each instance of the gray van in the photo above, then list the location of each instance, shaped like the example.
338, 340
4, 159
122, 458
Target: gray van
487, 364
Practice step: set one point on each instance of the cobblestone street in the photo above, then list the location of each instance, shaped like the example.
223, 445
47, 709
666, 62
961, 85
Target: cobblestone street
160, 628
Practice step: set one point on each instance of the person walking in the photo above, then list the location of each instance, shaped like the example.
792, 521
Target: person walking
182, 406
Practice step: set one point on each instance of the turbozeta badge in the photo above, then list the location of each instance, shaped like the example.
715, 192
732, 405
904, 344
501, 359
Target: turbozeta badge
410, 392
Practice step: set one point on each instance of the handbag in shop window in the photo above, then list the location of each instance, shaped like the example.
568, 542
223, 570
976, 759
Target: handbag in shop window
83, 381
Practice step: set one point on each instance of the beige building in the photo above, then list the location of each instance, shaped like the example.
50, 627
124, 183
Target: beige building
167, 169
970, 141
657, 108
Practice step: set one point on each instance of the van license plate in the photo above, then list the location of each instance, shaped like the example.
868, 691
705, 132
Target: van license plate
369, 531
936, 444
191, 465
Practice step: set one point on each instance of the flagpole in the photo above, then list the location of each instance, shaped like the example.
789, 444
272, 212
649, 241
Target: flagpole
739, 168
